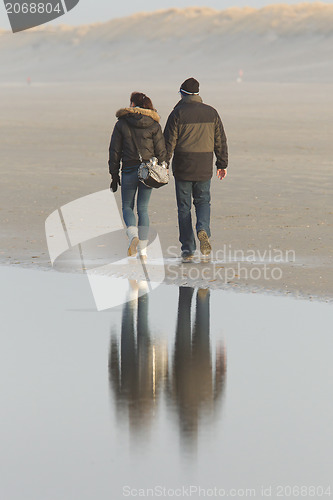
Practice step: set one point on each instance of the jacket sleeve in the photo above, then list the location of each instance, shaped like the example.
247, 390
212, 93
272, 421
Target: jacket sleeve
159, 144
171, 135
220, 144
115, 150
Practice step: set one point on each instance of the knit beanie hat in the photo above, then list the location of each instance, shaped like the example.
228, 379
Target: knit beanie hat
190, 86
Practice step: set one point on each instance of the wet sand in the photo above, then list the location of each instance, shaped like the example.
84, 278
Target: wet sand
277, 196
201, 394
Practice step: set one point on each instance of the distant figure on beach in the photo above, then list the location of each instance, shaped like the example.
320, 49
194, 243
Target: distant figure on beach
141, 121
240, 76
29, 80
193, 133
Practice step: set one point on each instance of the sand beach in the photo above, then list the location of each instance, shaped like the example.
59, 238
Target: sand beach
165, 379
275, 204
268, 72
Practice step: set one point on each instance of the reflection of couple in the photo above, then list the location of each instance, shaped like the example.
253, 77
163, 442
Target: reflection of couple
193, 133
139, 367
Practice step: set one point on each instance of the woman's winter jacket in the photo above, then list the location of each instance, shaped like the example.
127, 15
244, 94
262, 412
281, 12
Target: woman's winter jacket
144, 125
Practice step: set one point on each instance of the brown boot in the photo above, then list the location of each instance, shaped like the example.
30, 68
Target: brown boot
187, 257
205, 246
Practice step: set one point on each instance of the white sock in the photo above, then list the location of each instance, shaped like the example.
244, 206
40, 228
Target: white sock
142, 247
132, 232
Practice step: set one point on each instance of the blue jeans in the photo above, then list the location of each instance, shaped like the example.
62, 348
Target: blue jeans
200, 191
130, 185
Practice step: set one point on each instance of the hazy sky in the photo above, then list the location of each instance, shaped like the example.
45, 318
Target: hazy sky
89, 11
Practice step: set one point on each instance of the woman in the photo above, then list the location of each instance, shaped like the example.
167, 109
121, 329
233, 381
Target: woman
141, 121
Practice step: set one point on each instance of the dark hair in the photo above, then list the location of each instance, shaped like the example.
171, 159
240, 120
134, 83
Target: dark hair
141, 100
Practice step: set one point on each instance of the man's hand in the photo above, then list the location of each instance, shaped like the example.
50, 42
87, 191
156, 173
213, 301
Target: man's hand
222, 173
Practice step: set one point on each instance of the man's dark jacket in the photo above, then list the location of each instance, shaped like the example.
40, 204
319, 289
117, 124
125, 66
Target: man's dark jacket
193, 133
144, 124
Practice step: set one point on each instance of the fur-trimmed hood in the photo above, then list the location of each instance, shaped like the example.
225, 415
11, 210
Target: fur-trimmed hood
151, 113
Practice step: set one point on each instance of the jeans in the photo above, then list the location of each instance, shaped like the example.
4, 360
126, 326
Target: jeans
130, 185
200, 191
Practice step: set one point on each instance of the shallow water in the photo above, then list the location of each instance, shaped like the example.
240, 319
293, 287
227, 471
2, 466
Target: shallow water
177, 388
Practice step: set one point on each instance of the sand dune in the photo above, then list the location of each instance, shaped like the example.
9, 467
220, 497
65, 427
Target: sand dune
275, 43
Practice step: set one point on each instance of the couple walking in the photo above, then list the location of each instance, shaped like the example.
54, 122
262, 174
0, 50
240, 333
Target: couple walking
193, 133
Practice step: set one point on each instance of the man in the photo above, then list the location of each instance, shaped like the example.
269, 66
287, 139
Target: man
193, 133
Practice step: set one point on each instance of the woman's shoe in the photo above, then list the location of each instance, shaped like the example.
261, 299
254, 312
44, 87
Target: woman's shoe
132, 234
133, 247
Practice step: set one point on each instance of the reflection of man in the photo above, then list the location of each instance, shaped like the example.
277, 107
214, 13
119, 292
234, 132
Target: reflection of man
136, 372
193, 386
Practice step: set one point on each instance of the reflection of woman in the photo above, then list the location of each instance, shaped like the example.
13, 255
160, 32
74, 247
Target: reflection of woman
194, 388
137, 369
141, 121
